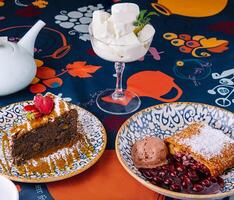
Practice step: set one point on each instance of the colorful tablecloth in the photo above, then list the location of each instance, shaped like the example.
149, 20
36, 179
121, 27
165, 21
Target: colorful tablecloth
190, 59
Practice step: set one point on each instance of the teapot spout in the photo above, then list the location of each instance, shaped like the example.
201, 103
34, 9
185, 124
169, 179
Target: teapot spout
28, 40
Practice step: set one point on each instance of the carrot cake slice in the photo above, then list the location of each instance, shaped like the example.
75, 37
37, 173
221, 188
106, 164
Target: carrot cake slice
51, 123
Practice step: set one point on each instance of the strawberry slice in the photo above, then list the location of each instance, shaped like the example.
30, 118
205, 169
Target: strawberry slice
30, 108
44, 104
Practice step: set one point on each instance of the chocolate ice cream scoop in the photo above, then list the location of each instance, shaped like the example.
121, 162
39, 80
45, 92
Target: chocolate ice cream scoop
149, 152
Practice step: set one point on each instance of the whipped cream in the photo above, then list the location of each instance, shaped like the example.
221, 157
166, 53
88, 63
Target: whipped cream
113, 36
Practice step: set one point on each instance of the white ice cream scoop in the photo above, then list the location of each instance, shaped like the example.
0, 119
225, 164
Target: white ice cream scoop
123, 16
147, 32
129, 39
104, 32
122, 8
123, 24
101, 27
100, 16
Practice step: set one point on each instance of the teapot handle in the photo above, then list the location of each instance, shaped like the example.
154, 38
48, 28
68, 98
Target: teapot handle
179, 93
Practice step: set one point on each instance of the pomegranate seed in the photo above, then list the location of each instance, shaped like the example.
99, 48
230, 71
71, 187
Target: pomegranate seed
153, 172
186, 163
162, 174
203, 169
157, 179
193, 166
189, 157
206, 183
175, 187
178, 160
184, 158
213, 179
193, 175
173, 174
197, 188
179, 155
165, 167
167, 181
176, 176
172, 168
180, 168
186, 180
184, 184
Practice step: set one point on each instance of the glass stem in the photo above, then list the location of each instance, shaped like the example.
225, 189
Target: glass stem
119, 68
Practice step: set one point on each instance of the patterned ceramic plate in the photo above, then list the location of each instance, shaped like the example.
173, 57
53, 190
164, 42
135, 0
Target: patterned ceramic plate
164, 120
53, 166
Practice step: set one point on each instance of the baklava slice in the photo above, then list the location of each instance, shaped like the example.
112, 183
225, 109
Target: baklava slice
207, 145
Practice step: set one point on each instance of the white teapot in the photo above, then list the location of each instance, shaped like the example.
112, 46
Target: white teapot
17, 65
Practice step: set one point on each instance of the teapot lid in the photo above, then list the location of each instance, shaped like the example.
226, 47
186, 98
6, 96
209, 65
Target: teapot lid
5, 46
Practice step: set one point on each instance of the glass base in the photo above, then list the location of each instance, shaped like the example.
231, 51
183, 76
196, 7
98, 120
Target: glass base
127, 104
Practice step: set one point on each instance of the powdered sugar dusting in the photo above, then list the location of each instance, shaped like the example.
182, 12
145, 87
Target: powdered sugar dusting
208, 142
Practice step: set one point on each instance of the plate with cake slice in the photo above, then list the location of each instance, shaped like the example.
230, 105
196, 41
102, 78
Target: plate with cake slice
48, 139
183, 150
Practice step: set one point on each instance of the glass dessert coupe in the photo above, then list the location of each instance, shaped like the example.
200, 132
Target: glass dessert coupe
119, 101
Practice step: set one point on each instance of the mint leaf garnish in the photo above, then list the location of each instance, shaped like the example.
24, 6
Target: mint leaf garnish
142, 19
152, 13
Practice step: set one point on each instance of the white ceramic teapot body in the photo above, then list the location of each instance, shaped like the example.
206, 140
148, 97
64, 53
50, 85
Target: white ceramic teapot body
17, 65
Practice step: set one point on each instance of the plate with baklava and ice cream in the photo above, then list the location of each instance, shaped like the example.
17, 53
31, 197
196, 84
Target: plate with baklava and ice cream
48, 139
182, 150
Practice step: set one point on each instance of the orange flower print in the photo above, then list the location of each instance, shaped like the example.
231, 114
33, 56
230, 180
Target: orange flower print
81, 70
47, 77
